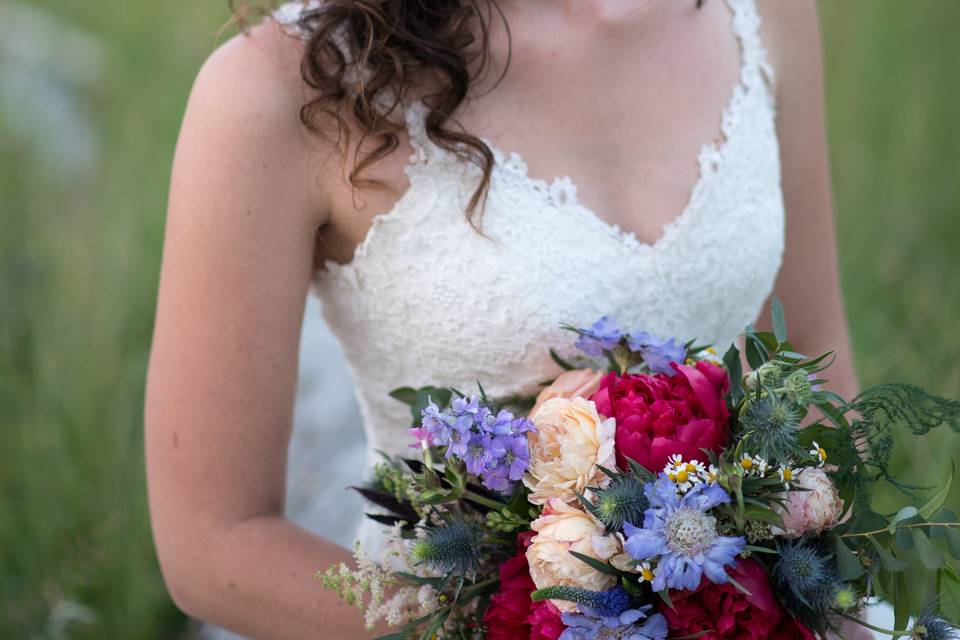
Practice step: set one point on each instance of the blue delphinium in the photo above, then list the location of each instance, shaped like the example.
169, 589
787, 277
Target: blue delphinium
679, 532
493, 445
626, 626
658, 353
602, 335
606, 335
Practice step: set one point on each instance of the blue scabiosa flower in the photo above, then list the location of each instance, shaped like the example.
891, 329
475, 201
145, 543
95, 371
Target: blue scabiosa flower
679, 532
602, 335
658, 353
632, 624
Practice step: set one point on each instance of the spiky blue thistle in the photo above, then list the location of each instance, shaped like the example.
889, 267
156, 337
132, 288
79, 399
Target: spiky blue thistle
623, 500
605, 604
770, 425
930, 625
454, 546
805, 578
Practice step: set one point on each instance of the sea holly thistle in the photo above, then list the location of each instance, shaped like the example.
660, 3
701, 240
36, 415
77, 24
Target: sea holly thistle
622, 500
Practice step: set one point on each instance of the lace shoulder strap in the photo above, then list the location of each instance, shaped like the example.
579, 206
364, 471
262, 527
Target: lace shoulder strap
289, 15
746, 28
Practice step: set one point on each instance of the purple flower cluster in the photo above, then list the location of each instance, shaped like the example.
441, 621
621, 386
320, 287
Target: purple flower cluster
658, 353
493, 445
602, 335
606, 335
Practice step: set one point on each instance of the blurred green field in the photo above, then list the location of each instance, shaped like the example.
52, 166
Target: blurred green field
80, 249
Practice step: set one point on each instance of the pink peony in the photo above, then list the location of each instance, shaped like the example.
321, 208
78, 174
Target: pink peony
726, 613
660, 415
817, 506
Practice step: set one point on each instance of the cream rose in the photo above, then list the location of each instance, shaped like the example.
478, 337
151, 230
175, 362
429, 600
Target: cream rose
575, 383
817, 506
570, 441
561, 529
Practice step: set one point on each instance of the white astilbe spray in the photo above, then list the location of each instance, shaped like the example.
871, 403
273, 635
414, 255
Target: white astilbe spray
367, 586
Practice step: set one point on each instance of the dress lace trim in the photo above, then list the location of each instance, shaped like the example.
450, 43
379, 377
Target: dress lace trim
560, 193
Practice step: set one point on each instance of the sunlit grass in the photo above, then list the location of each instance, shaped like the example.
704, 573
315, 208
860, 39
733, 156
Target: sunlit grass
80, 256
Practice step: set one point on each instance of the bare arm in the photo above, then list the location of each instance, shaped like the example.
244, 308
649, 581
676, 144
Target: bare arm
244, 206
808, 284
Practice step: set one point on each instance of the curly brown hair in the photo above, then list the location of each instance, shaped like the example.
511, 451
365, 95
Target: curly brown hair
365, 59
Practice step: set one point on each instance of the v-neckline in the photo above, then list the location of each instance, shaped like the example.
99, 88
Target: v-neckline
710, 161
708, 164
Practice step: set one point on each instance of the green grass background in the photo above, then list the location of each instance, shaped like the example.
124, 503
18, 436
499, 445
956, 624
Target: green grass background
80, 256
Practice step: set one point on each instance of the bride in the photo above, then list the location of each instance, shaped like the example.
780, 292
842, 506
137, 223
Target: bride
398, 157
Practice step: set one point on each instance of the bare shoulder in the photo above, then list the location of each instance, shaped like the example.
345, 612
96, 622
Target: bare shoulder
792, 35
243, 115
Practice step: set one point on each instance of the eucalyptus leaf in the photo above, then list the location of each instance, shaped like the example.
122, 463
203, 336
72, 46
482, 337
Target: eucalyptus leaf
904, 538
406, 395
779, 321
901, 602
930, 556
904, 514
938, 500
888, 561
952, 534
731, 359
426, 395
943, 515
948, 589
848, 565
756, 354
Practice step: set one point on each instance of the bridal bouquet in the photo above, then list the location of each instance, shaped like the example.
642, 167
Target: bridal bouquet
665, 493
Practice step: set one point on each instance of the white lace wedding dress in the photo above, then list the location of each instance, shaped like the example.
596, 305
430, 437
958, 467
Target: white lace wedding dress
427, 300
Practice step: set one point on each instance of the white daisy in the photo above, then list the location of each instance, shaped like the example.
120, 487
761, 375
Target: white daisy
819, 452
787, 475
710, 475
646, 572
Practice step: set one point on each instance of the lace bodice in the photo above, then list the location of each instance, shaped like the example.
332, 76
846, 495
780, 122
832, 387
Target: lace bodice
428, 300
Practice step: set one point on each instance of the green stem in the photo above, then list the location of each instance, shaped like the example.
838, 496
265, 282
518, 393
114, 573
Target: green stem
902, 526
483, 500
469, 591
892, 632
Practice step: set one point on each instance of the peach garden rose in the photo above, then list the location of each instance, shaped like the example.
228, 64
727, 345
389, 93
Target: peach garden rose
563, 528
570, 441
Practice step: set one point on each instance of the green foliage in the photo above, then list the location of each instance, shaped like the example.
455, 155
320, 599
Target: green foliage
79, 260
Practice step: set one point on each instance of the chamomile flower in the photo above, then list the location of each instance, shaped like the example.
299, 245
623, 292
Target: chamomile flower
684, 474
646, 572
710, 475
787, 475
760, 465
710, 355
753, 465
819, 452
